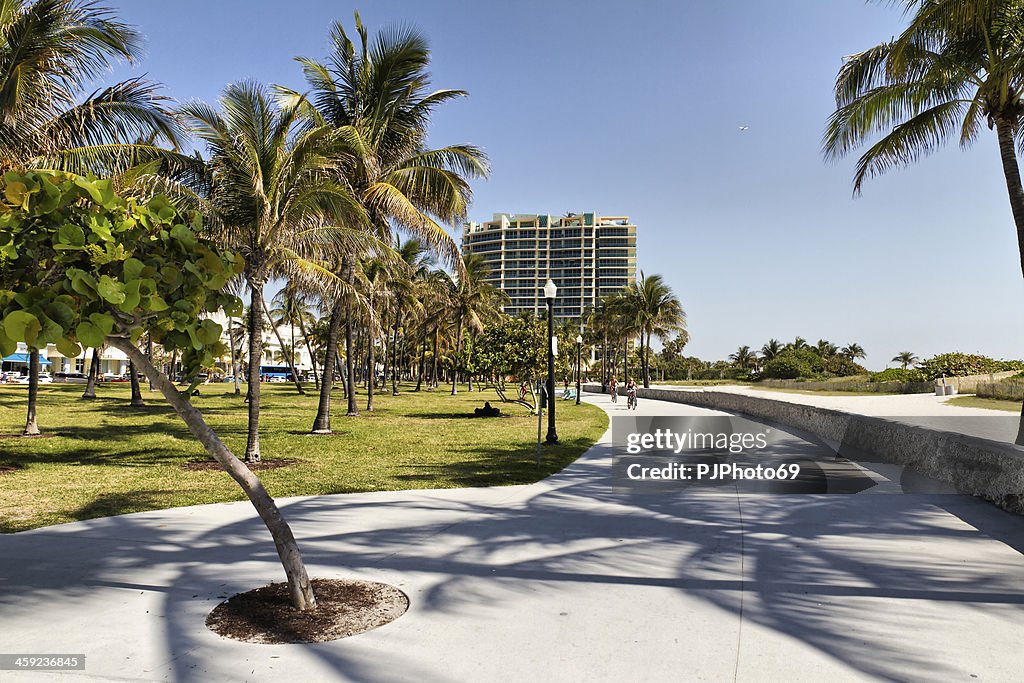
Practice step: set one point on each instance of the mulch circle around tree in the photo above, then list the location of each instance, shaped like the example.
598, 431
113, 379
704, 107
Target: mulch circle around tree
345, 607
7, 469
272, 464
46, 435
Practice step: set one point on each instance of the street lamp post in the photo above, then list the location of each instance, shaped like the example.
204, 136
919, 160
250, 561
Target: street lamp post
550, 290
579, 365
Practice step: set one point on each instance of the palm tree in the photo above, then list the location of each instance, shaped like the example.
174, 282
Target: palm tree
797, 344
273, 180
50, 51
771, 349
404, 293
657, 311
292, 309
826, 349
743, 358
905, 359
376, 98
474, 302
853, 352
956, 67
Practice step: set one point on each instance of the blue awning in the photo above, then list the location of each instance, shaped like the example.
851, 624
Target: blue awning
23, 358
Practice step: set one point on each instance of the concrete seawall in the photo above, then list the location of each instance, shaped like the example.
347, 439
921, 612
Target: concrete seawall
979, 467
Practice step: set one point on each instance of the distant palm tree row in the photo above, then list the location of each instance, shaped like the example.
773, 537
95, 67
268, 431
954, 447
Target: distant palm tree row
644, 310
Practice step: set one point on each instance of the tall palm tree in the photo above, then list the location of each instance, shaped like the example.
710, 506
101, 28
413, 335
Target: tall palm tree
50, 51
416, 258
474, 302
826, 349
958, 66
743, 358
771, 349
273, 180
377, 98
657, 312
905, 359
853, 352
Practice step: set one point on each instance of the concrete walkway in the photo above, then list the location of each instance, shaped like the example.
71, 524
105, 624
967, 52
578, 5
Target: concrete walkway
555, 581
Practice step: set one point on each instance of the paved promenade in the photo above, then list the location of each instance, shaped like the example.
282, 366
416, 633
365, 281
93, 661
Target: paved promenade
555, 581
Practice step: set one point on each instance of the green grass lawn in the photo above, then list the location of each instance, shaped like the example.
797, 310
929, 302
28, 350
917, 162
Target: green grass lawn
976, 402
103, 458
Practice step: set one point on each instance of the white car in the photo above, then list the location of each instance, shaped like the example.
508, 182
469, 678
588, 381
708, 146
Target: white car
44, 378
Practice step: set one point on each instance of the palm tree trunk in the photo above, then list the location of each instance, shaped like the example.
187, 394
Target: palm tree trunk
287, 548
422, 365
309, 349
291, 356
371, 362
1011, 171
252, 445
322, 423
626, 359
350, 367
133, 375
433, 361
647, 359
394, 355
234, 358
94, 372
31, 426
455, 356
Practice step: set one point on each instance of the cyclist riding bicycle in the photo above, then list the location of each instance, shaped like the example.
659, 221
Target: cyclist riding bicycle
613, 387
631, 395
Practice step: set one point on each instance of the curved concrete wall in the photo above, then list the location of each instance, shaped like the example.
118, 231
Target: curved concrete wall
979, 467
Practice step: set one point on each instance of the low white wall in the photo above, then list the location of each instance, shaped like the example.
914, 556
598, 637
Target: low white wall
979, 467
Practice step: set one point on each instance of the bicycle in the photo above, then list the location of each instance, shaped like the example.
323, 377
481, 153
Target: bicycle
631, 400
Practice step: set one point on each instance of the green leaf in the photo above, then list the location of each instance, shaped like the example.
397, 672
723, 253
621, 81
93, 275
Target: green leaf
90, 187
7, 345
17, 193
184, 236
71, 234
131, 296
68, 348
209, 332
22, 326
133, 269
111, 290
156, 304
103, 321
89, 334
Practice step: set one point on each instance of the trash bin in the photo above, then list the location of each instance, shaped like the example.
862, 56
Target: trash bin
940, 389
949, 390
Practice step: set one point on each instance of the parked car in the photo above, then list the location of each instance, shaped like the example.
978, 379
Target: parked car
70, 378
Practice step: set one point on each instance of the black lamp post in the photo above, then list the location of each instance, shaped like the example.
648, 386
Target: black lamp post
579, 365
550, 290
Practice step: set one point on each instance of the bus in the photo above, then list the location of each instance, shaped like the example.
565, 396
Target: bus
278, 373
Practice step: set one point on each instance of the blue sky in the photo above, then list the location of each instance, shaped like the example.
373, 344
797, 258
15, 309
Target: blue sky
635, 108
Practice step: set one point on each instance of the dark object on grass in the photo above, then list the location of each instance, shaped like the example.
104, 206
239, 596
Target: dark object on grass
487, 411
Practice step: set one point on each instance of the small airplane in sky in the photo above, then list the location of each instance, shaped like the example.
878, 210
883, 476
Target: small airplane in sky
744, 127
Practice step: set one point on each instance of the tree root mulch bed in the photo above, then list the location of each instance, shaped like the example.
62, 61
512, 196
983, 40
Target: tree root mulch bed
344, 608
273, 464
7, 469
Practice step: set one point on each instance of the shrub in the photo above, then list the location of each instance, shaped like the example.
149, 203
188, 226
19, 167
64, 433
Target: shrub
787, 366
898, 375
958, 364
841, 366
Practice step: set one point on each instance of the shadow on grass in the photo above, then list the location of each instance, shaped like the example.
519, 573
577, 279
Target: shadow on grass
499, 466
110, 504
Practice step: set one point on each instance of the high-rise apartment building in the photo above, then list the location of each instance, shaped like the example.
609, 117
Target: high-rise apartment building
586, 255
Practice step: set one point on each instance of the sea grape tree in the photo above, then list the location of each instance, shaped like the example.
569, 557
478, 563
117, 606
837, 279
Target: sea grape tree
81, 266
